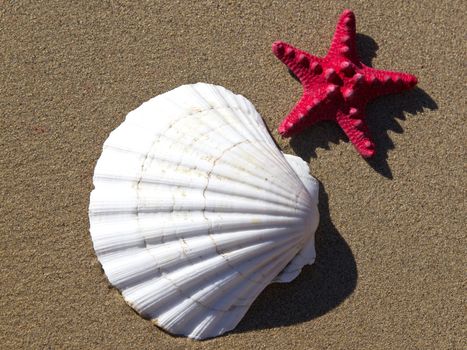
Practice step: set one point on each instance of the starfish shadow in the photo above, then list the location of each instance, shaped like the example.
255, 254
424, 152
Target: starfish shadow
318, 289
382, 115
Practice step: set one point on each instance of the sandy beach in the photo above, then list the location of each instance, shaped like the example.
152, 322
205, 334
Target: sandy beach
390, 267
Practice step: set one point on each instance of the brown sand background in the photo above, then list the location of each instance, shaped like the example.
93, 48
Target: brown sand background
390, 272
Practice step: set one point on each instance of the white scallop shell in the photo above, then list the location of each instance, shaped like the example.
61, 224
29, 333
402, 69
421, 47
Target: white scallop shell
195, 210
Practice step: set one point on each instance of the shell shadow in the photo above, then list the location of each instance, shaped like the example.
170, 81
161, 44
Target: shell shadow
382, 115
318, 289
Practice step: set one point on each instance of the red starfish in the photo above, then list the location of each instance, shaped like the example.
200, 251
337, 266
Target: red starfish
338, 86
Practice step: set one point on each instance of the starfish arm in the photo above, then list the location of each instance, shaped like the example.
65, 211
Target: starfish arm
300, 117
286, 128
382, 82
358, 133
344, 40
311, 108
301, 63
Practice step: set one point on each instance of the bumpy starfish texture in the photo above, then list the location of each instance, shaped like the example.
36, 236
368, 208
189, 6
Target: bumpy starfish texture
338, 87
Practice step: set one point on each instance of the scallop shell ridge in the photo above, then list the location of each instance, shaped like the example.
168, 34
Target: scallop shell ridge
195, 210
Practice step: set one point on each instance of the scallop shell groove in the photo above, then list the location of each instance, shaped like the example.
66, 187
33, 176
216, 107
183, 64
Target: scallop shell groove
195, 210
